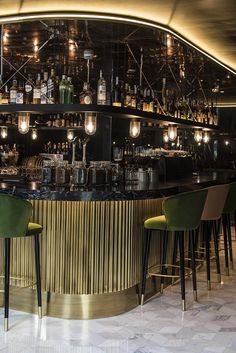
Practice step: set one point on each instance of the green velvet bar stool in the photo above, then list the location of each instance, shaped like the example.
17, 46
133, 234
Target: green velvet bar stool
229, 208
15, 214
182, 213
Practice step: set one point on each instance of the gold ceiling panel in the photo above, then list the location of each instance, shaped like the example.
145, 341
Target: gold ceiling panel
209, 24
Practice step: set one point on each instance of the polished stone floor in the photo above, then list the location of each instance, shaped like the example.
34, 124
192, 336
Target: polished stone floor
158, 327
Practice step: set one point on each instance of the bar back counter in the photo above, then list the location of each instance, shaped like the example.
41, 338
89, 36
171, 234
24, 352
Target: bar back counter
91, 247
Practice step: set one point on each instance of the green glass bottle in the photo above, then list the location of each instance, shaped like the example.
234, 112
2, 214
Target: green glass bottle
70, 95
63, 90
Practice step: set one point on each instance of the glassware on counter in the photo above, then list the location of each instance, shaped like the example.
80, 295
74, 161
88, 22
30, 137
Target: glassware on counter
61, 173
97, 173
47, 172
79, 174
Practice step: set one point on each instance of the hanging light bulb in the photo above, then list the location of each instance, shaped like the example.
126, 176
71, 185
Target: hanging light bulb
206, 137
34, 134
4, 132
134, 128
198, 135
172, 132
90, 123
23, 122
165, 136
70, 135
227, 142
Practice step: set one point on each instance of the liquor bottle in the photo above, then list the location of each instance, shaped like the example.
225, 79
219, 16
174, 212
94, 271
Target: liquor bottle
70, 95
29, 90
51, 88
116, 94
5, 96
127, 96
86, 96
101, 90
134, 97
140, 98
37, 91
63, 90
13, 92
145, 101
1, 90
44, 88
20, 94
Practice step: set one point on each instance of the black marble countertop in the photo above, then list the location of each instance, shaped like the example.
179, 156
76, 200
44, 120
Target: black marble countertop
36, 191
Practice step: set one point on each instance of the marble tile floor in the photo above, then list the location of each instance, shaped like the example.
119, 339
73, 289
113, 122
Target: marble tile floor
208, 326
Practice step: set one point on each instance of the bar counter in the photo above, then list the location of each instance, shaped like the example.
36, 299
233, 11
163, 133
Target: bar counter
91, 246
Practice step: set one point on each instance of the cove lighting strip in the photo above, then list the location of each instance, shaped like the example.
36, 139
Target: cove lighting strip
102, 16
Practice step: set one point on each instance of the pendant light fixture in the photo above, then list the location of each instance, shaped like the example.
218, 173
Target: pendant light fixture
206, 137
90, 123
23, 122
4, 132
165, 136
172, 132
70, 135
134, 128
34, 134
198, 135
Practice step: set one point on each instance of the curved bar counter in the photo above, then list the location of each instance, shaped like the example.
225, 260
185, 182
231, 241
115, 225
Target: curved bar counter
91, 247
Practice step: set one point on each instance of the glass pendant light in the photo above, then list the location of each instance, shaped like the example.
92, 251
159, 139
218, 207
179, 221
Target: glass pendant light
70, 135
23, 122
34, 134
134, 128
4, 132
206, 137
198, 135
90, 123
165, 136
172, 132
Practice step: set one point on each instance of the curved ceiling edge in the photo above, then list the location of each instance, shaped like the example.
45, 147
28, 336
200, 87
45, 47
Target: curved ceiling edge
104, 16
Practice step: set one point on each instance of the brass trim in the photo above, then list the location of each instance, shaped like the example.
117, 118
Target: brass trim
6, 324
195, 295
183, 305
68, 306
208, 285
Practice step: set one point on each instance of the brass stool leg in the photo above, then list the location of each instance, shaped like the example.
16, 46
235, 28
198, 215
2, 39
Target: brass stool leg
7, 243
182, 271
38, 274
145, 262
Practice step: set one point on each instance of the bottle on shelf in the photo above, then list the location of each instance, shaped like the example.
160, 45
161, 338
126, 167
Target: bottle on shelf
86, 96
63, 90
29, 90
101, 90
5, 95
51, 88
70, 95
20, 93
37, 91
13, 92
116, 94
44, 89
127, 96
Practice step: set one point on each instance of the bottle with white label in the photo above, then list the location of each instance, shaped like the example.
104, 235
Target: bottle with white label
44, 89
51, 88
101, 90
13, 92
37, 91
20, 94
29, 90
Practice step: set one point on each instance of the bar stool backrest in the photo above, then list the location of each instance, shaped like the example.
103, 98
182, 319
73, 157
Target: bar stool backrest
183, 211
15, 214
215, 201
230, 203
